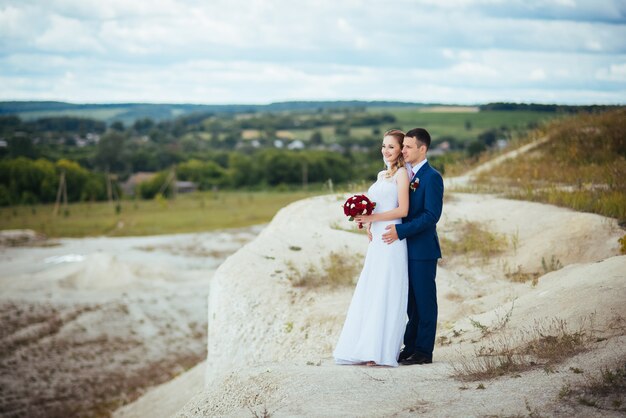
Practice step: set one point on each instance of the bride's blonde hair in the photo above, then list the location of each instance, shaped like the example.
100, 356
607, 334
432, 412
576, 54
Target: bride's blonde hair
398, 135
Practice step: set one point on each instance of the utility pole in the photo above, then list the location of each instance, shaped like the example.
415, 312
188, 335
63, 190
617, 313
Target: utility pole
109, 188
62, 190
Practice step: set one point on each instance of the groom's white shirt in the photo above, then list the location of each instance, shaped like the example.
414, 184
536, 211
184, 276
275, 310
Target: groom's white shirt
415, 169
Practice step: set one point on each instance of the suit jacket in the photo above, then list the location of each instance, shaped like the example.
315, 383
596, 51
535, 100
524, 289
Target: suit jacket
419, 227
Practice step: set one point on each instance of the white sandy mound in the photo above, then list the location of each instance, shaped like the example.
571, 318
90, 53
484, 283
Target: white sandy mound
159, 402
270, 343
253, 308
535, 230
101, 271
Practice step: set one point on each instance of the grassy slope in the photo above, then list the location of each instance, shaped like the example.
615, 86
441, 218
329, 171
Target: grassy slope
582, 166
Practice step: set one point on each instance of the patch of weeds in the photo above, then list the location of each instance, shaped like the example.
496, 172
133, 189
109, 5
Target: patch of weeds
484, 329
548, 369
576, 370
515, 240
521, 276
337, 269
497, 358
532, 412
264, 413
552, 265
354, 229
480, 386
566, 390
474, 239
498, 324
295, 248
542, 345
288, 327
554, 341
443, 340
622, 245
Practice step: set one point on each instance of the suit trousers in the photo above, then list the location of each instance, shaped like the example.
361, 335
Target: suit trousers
419, 336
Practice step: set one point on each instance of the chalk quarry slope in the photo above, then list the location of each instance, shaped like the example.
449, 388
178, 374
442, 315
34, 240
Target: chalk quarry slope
270, 343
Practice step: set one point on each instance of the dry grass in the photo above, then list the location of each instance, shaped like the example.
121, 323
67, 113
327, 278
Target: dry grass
582, 166
473, 239
605, 390
337, 269
519, 275
544, 344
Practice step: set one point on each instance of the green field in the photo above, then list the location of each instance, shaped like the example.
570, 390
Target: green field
201, 211
456, 124
463, 125
98, 114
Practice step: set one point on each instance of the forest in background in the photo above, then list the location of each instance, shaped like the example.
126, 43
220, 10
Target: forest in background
280, 146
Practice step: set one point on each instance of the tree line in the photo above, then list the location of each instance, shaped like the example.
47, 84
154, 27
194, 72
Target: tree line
208, 149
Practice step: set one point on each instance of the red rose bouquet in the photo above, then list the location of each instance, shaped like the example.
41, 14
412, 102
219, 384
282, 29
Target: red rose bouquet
358, 204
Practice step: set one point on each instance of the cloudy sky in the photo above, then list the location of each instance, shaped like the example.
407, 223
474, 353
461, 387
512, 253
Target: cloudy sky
261, 51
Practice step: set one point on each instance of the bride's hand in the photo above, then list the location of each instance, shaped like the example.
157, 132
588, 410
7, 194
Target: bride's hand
369, 232
364, 219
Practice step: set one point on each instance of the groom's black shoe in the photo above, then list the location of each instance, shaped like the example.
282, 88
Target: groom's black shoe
416, 359
403, 356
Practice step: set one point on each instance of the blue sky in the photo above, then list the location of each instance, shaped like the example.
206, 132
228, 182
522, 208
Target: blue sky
262, 51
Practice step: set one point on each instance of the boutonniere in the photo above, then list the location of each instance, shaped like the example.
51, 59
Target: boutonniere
414, 184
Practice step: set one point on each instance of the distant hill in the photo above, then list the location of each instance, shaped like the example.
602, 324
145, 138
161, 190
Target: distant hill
129, 112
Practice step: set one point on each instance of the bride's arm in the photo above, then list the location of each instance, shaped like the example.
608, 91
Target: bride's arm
401, 211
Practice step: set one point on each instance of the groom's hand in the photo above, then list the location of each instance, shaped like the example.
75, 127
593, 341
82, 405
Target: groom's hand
391, 235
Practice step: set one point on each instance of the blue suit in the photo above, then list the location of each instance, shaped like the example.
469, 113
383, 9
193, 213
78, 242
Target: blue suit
419, 230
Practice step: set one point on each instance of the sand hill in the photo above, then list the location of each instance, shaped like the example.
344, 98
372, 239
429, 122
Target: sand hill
270, 342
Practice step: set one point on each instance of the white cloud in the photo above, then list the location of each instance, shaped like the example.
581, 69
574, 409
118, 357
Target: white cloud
266, 50
537, 74
67, 35
615, 72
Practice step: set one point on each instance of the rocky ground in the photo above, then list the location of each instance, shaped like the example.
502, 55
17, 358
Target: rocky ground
88, 324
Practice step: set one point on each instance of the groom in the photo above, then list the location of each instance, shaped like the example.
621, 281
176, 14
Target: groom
419, 229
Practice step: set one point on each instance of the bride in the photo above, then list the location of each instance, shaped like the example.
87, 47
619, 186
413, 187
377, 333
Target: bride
375, 323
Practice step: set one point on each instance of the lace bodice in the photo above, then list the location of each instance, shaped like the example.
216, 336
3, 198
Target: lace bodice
385, 193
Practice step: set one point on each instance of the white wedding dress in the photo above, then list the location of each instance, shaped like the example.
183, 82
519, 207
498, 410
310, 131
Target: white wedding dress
376, 319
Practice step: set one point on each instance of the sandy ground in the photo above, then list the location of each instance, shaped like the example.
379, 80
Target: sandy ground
270, 344
89, 323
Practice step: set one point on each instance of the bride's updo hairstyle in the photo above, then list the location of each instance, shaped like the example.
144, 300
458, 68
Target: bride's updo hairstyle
398, 135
